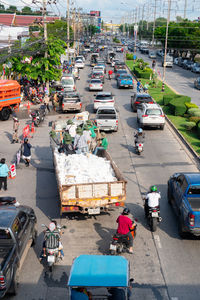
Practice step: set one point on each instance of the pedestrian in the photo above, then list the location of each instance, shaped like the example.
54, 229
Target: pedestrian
46, 102
103, 144
15, 138
55, 100
146, 87
139, 86
26, 152
3, 173
60, 99
80, 142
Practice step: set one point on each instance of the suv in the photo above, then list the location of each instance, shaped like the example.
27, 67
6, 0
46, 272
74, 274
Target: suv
107, 118
103, 99
151, 115
184, 196
17, 234
71, 102
138, 99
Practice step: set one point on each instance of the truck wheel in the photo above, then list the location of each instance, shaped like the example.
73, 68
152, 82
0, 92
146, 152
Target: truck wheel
169, 197
162, 127
5, 114
14, 284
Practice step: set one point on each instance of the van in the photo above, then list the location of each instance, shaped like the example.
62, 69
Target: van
68, 82
168, 62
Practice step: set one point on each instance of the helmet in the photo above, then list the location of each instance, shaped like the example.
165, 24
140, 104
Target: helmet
52, 226
140, 130
15, 118
153, 188
126, 211
25, 139
70, 122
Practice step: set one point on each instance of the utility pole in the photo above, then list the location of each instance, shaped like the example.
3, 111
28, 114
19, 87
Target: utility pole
44, 12
78, 29
185, 9
74, 29
154, 23
166, 37
68, 30
142, 21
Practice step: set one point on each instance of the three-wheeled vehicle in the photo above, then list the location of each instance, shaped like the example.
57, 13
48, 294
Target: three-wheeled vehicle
100, 277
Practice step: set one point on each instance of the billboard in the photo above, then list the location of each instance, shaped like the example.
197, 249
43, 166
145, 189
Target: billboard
95, 13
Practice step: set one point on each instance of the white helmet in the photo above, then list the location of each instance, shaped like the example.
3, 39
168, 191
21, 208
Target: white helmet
52, 226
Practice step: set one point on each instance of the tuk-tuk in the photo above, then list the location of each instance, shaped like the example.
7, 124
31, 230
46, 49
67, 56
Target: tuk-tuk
99, 277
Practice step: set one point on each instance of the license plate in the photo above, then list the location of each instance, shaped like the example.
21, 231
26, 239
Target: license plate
94, 211
126, 85
154, 214
113, 247
139, 148
51, 258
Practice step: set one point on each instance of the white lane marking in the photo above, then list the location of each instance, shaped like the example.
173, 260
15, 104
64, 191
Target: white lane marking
174, 298
157, 239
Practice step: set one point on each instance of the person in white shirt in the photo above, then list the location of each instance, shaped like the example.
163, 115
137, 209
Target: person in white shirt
87, 133
71, 128
152, 199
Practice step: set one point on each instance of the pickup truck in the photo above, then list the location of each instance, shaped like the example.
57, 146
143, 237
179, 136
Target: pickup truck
107, 118
17, 234
125, 81
184, 197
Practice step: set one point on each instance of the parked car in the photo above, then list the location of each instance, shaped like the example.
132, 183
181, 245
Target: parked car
184, 196
107, 118
187, 65
139, 98
176, 61
159, 53
197, 83
79, 64
151, 115
95, 85
196, 68
152, 54
168, 61
125, 80
71, 102
17, 233
103, 99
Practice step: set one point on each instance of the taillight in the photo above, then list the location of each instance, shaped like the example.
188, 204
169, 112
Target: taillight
74, 88
91, 85
2, 282
144, 116
116, 122
154, 210
63, 105
140, 145
117, 204
136, 102
62, 90
150, 102
101, 84
162, 116
191, 219
80, 104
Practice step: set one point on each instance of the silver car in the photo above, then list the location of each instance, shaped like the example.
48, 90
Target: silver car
95, 85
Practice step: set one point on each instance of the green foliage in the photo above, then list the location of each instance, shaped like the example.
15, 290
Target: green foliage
115, 40
193, 111
198, 130
167, 98
52, 134
142, 74
129, 56
188, 125
194, 119
191, 105
177, 108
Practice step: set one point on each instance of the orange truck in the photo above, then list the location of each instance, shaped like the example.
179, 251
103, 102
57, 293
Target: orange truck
10, 97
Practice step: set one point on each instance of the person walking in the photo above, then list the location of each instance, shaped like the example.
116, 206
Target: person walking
15, 138
46, 102
4, 170
26, 153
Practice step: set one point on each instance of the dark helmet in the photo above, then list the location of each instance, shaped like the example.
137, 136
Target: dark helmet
153, 188
126, 211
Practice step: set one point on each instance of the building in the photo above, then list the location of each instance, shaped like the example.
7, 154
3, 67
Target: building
96, 18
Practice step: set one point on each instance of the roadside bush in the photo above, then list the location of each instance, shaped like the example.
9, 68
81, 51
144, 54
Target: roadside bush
129, 56
146, 74
188, 125
196, 113
198, 130
193, 111
167, 99
191, 105
177, 108
194, 119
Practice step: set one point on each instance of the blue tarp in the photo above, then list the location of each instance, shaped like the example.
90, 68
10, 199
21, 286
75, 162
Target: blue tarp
99, 271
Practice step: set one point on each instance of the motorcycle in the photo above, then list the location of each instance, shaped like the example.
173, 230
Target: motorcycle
139, 148
53, 246
37, 117
110, 76
153, 216
119, 243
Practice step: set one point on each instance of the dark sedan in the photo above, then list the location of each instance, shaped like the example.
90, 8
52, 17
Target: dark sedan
197, 83
138, 98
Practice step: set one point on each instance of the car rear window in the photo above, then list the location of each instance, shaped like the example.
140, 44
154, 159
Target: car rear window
153, 112
96, 81
106, 112
194, 190
144, 99
106, 97
67, 81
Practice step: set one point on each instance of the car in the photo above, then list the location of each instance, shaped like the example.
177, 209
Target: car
71, 102
152, 54
197, 83
80, 57
196, 68
139, 98
176, 61
103, 99
98, 75
68, 82
79, 64
107, 118
99, 64
119, 49
95, 85
184, 197
17, 234
114, 61
159, 53
120, 72
188, 65
150, 115
119, 65
125, 80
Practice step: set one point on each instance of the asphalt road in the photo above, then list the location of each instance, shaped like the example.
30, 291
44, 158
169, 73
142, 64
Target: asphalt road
163, 265
180, 79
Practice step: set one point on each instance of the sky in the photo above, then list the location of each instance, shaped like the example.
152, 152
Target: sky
115, 10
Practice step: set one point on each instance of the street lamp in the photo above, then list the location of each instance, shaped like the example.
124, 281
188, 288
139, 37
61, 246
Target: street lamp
166, 37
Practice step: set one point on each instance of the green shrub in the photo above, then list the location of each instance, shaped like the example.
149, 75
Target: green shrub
191, 105
198, 129
194, 119
142, 74
188, 125
177, 108
197, 113
192, 111
129, 56
167, 99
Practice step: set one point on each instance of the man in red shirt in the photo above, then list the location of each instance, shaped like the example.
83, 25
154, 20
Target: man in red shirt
124, 225
110, 74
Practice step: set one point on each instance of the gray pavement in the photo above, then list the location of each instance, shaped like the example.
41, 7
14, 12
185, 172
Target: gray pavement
163, 265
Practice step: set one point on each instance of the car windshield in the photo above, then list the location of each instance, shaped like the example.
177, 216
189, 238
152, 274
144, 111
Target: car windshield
144, 99
66, 95
95, 81
153, 112
67, 81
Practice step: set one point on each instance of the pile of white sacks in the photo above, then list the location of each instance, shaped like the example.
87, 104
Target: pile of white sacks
79, 168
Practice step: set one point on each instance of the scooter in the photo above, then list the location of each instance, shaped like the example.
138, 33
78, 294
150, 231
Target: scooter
52, 243
120, 243
153, 216
139, 148
35, 118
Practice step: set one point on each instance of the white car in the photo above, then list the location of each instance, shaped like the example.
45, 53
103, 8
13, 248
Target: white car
104, 99
114, 61
151, 115
119, 49
79, 64
95, 85
98, 68
80, 57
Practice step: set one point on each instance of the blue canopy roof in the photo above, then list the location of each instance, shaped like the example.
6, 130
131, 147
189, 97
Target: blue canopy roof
99, 270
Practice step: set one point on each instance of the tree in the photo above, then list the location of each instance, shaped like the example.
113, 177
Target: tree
12, 9
2, 7
26, 10
58, 29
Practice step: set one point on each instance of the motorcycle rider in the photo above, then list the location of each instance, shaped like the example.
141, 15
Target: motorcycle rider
139, 136
110, 74
152, 199
124, 226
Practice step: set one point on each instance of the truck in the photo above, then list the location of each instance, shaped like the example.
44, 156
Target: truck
107, 118
18, 232
125, 81
10, 97
90, 198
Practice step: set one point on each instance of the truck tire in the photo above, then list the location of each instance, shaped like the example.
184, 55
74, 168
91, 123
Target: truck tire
14, 284
180, 230
162, 127
5, 114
